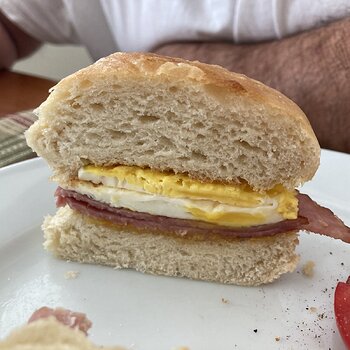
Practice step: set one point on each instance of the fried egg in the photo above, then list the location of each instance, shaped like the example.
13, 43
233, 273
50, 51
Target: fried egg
179, 196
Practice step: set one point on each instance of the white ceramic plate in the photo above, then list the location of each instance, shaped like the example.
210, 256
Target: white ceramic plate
149, 312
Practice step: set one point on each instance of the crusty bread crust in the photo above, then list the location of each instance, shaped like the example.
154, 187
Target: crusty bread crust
249, 262
172, 114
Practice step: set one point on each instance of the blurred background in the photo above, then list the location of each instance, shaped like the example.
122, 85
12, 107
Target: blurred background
21, 93
54, 61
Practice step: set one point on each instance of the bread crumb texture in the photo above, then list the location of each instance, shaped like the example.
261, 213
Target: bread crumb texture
308, 269
171, 114
49, 334
69, 235
69, 275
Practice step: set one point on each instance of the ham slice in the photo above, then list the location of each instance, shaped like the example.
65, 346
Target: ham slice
322, 220
312, 217
69, 318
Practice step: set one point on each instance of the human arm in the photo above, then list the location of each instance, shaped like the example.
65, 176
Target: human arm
312, 68
14, 42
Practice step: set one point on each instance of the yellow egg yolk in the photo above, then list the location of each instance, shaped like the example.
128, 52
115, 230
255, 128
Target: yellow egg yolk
177, 195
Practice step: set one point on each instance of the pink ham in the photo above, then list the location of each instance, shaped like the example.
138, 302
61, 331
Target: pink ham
69, 318
312, 217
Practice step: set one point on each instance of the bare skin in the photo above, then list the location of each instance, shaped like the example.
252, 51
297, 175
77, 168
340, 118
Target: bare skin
312, 68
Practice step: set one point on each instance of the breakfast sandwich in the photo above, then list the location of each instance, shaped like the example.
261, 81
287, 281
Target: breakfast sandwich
178, 168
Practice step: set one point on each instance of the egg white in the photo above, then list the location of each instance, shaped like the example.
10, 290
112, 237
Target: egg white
120, 194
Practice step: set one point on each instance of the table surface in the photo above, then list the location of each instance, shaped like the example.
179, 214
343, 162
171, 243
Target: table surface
20, 92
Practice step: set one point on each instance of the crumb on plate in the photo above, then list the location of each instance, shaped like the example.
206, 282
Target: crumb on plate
308, 269
70, 275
